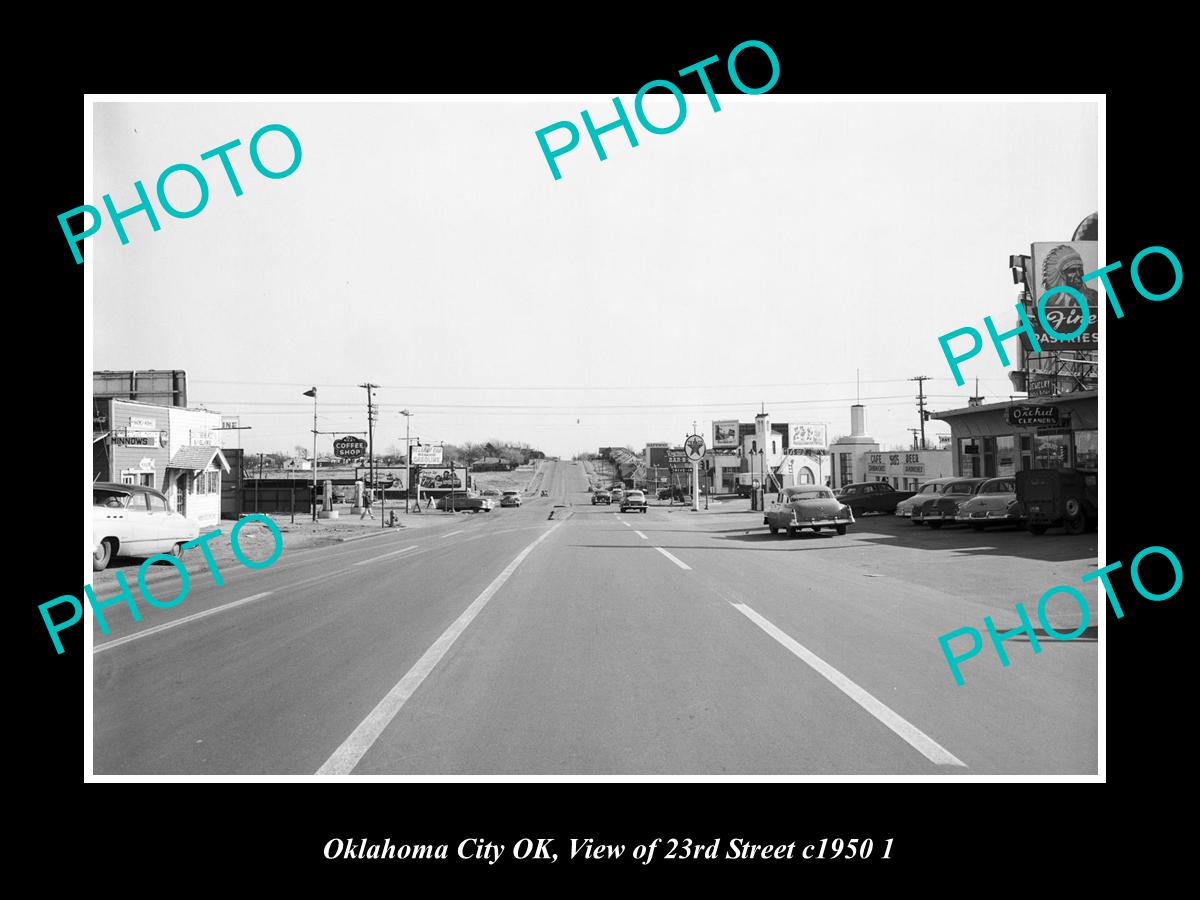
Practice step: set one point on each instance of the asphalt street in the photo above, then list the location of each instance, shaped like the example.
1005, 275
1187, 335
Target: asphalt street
596, 642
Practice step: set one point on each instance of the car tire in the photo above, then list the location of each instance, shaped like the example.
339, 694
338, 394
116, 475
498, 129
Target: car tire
1078, 525
841, 529
177, 550
936, 524
791, 531
1037, 528
102, 557
774, 529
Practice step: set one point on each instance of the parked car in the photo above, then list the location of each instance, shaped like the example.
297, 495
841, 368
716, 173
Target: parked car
633, 500
132, 520
490, 492
672, 494
872, 496
928, 491
995, 503
1064, 497
807, 506
466, 503
601, 496
944, 507
511, 498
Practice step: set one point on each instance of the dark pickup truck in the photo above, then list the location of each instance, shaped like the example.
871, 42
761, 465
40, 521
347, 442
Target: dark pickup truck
1066, 497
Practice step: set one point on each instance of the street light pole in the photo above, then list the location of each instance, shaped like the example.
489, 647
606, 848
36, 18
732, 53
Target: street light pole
313, 394
407, 455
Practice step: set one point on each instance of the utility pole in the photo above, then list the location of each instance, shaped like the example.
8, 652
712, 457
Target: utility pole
915, 432
920, 380
407, 453
371, 410
313, 394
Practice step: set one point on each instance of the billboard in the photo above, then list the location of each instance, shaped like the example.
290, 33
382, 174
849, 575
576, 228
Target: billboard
656, 454
426, 455
1063, 264
809, 434
725, 434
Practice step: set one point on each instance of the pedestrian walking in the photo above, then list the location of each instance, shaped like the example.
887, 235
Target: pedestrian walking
366, 511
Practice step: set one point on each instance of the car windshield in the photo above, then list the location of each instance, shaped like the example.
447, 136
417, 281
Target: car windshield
960, 487
809, 494
998, 486
636, 494
510, 493
108, 498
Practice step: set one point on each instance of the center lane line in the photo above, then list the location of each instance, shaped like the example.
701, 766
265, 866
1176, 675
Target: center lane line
347, 756
385, 556
919, 740
108, 645
451, 534
639, 534
679, 562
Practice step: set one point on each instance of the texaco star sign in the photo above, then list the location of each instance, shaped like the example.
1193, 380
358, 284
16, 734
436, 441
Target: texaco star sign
694, 447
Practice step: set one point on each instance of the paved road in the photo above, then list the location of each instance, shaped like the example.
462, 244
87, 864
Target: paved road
598, 642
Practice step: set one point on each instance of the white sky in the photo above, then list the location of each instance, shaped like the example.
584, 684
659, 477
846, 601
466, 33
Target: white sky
762, 253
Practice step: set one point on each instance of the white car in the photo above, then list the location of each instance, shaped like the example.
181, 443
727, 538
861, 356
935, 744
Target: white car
132, 520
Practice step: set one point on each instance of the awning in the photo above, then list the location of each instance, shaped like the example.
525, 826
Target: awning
197, 458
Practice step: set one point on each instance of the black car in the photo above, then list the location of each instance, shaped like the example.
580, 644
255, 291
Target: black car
872, 496
601, 496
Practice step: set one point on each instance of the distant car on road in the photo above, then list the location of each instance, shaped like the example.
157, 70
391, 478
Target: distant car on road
944, 507
872, 496
1064, 497
490, 492
601, 496
617, 492
807, 506
133, 520
466, 503
995, 503
930, 489
511, 498
633, 500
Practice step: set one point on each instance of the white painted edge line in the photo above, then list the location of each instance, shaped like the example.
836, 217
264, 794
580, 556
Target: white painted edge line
347, 756
919, 740
385, 556
100, 648
639, 534
451, 533
679, 562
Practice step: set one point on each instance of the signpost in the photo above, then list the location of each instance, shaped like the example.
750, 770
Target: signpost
693, 449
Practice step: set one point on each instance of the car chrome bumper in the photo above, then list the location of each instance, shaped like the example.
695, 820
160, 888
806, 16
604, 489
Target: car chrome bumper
825, 522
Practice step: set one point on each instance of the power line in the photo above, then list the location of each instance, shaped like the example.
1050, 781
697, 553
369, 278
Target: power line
616, 387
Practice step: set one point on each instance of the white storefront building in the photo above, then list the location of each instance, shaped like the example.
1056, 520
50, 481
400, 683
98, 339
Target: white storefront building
195, 464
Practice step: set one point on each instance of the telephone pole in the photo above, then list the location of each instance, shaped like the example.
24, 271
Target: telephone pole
914, 434
372, 410
920, 380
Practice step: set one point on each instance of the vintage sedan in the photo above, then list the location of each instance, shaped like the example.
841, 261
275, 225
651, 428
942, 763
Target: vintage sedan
511, 498
132, 520
807, 506
466, 503
995, 503
635, 500
929, 490
943, 508
601, 496
872, 496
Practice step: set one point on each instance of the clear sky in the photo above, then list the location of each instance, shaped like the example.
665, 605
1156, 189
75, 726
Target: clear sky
763, 253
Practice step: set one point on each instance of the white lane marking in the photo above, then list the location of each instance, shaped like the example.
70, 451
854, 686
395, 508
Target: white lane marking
100, 648
452, 533
385, 556
674, 559
639, 534
347, 756
920, 741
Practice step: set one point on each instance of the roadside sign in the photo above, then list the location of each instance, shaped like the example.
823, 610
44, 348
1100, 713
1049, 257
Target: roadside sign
693, 447
426, 455
349, 447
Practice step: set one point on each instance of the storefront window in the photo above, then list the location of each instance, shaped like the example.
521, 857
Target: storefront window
1051, 451
845, 471
1087, 450
968, 455
1006, 455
